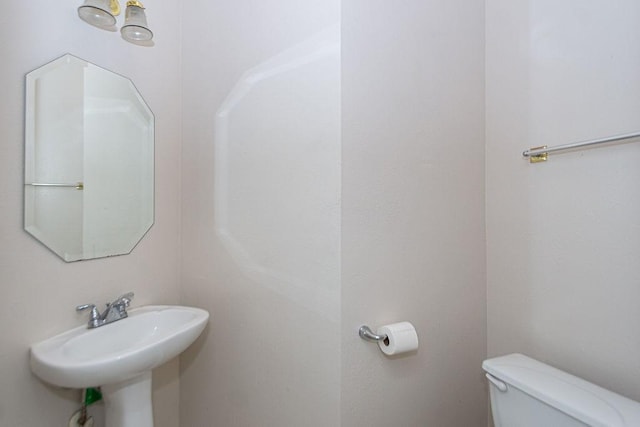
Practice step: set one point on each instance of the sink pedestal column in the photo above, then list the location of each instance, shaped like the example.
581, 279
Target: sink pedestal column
128, 403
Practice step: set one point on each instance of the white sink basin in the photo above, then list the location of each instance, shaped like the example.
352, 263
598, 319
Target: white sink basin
149, 337
119, 354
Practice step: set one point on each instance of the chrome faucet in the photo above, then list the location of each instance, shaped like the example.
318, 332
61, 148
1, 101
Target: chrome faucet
115, 310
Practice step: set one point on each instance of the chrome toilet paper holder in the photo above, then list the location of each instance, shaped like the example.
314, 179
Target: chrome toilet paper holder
367, 334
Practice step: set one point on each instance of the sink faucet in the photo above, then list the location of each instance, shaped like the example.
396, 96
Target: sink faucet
115, 310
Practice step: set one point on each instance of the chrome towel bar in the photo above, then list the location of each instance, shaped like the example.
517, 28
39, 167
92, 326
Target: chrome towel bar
539, 154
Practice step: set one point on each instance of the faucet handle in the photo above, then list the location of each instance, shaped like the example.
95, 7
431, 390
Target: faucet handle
126, 299
91, 307
95, 315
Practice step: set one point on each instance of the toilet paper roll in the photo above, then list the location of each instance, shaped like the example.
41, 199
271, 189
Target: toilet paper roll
401, 338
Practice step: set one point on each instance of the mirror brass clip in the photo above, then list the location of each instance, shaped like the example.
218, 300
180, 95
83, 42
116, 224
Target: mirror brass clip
537, 158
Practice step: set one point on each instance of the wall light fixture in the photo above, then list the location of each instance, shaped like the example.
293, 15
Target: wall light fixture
102, 14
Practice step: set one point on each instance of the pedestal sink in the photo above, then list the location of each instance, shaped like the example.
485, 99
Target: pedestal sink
119, 358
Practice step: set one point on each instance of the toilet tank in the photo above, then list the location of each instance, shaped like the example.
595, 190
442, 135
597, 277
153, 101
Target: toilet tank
528, 393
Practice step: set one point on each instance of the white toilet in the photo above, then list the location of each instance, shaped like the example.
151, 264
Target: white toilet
528, 393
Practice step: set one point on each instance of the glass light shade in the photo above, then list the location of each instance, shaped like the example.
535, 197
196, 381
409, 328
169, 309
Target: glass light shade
97, 13
135, 27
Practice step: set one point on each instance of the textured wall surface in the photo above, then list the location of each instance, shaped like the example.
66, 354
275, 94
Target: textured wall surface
261, 212
564, 236
411, 223
38, 290
413, 210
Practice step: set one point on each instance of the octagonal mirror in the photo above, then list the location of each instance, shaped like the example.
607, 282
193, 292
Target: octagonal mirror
89, 152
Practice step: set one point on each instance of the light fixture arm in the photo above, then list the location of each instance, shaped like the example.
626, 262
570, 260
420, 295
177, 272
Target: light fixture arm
114, 5
135, 3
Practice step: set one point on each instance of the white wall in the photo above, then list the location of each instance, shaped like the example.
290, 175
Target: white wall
261, 212
260, 254
38, 290
564, 236
413, 210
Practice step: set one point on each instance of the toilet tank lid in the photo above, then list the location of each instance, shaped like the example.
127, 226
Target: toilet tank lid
574, 396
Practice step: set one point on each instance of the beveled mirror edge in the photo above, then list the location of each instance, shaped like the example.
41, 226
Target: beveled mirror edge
28, 133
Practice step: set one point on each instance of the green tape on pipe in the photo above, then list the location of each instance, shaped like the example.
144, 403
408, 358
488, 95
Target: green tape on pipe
91, 396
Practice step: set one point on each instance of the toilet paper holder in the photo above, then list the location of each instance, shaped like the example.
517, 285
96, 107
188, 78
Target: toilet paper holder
394, 339
367, 334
